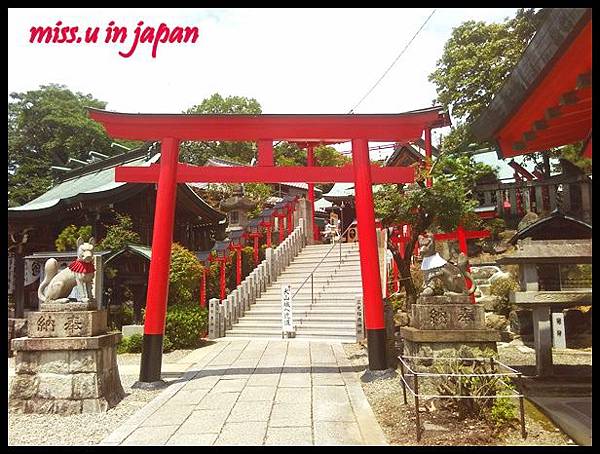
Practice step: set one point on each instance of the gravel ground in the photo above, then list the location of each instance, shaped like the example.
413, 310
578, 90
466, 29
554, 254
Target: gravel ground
444, 427
84, 429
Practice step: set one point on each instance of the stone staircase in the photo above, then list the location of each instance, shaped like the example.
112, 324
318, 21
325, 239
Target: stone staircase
331, 316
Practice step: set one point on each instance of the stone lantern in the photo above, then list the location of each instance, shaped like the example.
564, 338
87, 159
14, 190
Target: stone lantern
237, 207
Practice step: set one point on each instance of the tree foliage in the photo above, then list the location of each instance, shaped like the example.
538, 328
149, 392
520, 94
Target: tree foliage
46, 127
199, 152
476, 61
440, 207
67, 238
259, 193
120, 234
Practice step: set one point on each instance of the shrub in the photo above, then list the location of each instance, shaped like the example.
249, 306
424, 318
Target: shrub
502, 412
131, 344
495, 226
499, 411
167, 345
184, 276
126, 315
185, 324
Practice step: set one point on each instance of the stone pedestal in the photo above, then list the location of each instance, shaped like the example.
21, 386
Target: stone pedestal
448, 322
67, 364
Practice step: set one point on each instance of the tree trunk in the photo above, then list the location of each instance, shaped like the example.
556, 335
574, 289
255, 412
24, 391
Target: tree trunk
423, 223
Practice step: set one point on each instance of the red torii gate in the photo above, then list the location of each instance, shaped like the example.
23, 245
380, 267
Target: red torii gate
171, 129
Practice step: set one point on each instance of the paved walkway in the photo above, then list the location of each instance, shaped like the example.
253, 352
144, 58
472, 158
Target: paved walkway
258, 392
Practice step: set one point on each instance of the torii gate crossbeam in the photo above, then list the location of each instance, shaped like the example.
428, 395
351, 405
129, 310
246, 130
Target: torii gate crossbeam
171, 129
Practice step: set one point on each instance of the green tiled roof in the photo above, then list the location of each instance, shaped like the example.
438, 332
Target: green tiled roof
144, 251
95, 182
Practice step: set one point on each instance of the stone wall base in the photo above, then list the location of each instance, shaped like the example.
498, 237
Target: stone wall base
462, 349
17, 327
66, 375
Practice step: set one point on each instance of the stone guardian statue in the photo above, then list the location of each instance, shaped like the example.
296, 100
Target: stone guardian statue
56, 286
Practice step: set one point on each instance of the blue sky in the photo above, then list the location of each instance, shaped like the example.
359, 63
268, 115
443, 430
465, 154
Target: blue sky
290, 60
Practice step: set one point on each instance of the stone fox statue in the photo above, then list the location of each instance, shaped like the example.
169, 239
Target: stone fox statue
56, 287
440, 275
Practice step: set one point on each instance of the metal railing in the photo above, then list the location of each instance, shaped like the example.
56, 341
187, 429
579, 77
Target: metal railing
311, 275
495, 376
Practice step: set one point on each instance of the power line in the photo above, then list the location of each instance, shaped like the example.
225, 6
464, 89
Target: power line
393, 63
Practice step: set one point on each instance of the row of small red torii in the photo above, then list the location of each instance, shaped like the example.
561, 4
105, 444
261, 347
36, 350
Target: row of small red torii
171, 129
236, 245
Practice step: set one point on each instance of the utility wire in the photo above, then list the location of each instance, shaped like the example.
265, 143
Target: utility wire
393, 63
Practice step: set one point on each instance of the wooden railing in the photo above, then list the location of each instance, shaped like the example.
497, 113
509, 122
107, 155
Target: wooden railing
571, 194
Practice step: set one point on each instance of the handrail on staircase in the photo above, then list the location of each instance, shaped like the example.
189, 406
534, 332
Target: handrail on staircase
312, 300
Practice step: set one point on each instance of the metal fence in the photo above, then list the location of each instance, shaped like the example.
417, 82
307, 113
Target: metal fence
499, 373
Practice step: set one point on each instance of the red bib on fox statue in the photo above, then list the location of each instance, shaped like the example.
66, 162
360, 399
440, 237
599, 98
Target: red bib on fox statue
79, 266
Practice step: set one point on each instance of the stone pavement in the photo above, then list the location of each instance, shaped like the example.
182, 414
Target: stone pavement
258, 392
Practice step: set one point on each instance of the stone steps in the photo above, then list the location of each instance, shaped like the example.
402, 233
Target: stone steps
272, 334
298, 318
305, 323
331, 316
299, 278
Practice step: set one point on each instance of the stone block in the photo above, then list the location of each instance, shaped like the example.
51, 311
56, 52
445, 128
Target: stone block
444, 336
521, 321
66, 381
84, 361
68, 307
66, 324
55, 386
40, 406
460, 349
448, 316
26, 362
86, 386
53, 362
24, 386
66, 407
94, 405
66, 343
444, 299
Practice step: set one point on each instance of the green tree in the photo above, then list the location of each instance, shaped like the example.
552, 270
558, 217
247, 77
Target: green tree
67, 238
243, 152
328, 156
46, 127
476, 61
440, 207
184, 276
259, 193
120, 234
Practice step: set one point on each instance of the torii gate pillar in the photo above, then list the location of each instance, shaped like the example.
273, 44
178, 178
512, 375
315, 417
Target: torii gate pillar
369, 261
158, 275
